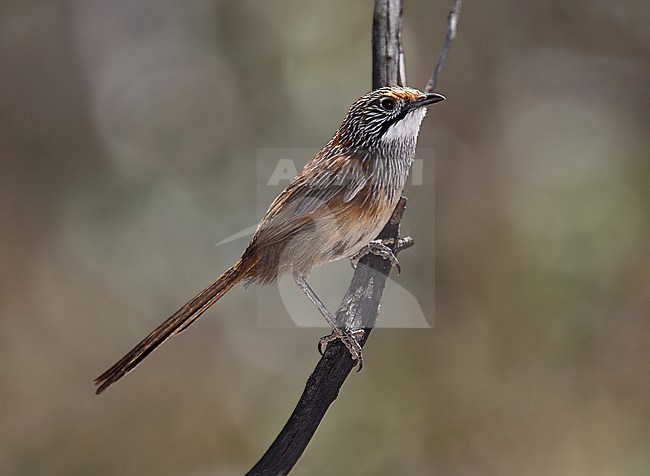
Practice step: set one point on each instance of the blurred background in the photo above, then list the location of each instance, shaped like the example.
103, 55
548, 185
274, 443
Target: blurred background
130, 139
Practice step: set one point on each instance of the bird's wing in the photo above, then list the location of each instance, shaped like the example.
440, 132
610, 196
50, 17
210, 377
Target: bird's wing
322, 188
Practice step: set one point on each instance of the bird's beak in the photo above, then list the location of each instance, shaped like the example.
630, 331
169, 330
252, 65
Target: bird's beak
427, 99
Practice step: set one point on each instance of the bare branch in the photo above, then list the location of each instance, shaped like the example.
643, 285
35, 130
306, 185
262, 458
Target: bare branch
366, 288
332, 370
452, 25
360, 306
387, 49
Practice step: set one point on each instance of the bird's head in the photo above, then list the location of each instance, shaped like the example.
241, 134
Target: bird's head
386, 115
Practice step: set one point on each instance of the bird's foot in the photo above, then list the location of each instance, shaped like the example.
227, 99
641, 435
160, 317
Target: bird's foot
378, 248
350, 339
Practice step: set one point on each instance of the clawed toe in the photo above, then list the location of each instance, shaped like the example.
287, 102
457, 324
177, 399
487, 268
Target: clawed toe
378, 248
350, 339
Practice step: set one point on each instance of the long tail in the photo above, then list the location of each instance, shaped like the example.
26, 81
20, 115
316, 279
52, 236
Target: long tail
177, 323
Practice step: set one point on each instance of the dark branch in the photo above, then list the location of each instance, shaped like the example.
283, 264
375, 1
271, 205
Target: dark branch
363, 297
452, 25
324, 384
387, 50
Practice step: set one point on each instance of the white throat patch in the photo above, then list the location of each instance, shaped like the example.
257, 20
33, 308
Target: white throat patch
407, 128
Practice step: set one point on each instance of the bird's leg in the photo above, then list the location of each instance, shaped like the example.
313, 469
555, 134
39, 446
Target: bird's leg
379, 248
348, 337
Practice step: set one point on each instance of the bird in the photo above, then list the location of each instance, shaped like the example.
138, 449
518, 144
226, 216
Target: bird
334, 208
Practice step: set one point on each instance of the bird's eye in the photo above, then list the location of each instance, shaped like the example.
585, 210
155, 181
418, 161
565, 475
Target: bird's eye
388, 104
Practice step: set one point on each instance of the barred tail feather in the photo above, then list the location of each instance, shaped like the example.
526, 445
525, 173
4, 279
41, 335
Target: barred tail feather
174, 325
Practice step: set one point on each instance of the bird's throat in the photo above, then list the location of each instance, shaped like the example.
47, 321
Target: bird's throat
404, 126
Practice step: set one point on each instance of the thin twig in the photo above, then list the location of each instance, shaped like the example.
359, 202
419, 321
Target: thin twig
452, 26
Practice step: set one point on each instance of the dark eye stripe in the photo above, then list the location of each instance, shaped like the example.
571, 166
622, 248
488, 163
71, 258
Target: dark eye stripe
391, 121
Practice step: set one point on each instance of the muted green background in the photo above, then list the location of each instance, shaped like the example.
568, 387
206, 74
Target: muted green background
129, 139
